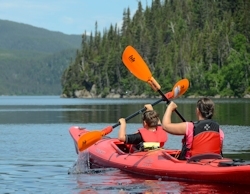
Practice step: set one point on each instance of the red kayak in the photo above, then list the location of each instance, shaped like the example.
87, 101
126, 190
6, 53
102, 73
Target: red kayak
161, 163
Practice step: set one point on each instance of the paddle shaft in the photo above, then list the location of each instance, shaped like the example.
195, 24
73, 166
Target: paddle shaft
168, 101
140, 111
92, 137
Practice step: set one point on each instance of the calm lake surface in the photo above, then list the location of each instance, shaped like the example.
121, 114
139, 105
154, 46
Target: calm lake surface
37, 152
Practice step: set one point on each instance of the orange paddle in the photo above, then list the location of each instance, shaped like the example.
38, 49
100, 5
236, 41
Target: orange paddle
137, 66
88, 139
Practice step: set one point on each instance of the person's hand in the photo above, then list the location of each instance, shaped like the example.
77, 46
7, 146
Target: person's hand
172, 106
148, 106
122, 121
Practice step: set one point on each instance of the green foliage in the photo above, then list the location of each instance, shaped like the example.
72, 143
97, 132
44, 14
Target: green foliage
32, 60
212, 81
17, 36
105, 92
235, 73
204, 41
207, 42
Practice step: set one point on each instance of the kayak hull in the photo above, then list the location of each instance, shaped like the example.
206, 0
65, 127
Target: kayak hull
162, 163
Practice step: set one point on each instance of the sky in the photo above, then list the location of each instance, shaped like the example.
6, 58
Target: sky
68, 16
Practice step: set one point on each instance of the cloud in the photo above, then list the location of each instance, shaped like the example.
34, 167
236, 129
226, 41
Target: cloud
68, 20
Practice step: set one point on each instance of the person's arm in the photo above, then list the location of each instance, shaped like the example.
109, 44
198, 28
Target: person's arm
135, 138
168, 126
222, 136
122, 130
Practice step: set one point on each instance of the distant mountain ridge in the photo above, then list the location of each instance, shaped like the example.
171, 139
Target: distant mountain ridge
32, 59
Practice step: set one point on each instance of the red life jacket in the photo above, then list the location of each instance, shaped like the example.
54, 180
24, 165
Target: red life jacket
206, 138
154, 136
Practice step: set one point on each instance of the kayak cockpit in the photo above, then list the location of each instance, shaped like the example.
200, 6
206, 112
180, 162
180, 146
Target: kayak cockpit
122, 148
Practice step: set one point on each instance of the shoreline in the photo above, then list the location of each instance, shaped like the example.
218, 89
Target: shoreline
118, 96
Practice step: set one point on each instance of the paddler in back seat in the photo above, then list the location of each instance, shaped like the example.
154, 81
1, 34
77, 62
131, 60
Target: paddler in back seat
150, 132
201, 137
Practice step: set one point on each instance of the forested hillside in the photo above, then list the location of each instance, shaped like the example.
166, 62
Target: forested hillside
33, 59
204, 41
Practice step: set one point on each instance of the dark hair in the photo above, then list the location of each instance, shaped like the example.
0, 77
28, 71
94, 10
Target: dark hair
206, 107
151, 117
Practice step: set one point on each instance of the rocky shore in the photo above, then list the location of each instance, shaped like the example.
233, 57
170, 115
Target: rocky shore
92, 94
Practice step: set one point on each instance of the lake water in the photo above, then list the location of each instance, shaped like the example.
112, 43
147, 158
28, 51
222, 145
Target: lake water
37, 152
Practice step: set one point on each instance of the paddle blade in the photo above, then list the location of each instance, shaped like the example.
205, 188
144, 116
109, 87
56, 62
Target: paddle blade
180, 88
169, 95
89, 139
135, 64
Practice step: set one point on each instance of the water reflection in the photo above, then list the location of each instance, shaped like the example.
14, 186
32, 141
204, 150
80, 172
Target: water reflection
115, 181
226, 113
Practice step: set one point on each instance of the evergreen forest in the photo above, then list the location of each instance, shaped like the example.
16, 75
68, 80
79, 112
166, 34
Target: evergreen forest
204, 41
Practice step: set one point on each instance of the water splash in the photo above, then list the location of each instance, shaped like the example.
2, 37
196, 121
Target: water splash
81, 165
